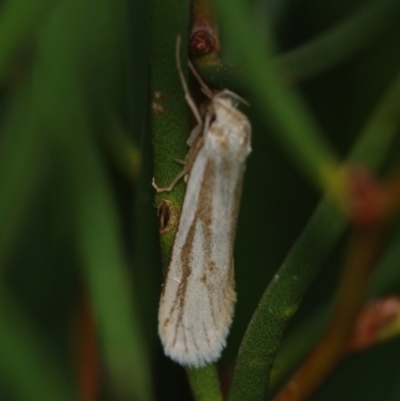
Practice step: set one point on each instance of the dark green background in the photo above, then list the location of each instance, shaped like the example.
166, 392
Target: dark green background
41, 255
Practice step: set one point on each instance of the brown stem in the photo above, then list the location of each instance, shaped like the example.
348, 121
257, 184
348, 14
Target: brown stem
373, 204
375, 318
363, 251
369, 212
87, 359
204, 37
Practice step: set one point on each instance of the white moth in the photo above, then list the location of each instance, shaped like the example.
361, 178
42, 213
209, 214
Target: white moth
198, 296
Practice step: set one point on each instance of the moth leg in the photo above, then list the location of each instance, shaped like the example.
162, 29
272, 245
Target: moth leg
196, 131
173, 183
204, 87
188, 96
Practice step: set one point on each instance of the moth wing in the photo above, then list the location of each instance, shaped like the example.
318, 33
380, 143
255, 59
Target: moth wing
198, 297
196, 311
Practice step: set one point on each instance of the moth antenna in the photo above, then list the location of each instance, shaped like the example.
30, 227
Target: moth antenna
188, 96
204, 87
209, 93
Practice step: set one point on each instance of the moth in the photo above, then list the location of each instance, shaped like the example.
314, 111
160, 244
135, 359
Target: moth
198, 296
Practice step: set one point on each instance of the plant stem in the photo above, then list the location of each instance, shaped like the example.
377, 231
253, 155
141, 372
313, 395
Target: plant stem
329, 351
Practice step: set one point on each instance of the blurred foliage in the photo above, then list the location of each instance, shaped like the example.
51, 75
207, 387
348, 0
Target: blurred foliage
77, 220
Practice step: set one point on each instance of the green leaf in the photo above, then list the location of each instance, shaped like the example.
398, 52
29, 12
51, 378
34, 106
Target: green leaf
26, 363
346, 39
20, 21
385, 279
284, 294
63, 114
170, 113
21, 159
295, 127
